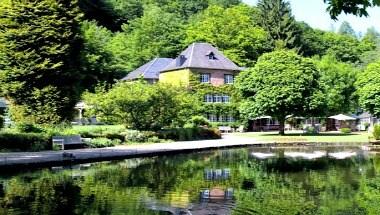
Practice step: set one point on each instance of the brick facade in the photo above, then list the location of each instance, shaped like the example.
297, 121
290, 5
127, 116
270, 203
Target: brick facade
217, 76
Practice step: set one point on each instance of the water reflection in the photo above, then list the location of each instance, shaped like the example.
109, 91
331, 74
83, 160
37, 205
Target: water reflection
303, 180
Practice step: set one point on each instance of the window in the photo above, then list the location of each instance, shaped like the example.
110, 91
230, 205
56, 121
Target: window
226, 99
211, 56
208, 98
228, 79
205, 78
222, 118
218, 99
212, 118
230, 119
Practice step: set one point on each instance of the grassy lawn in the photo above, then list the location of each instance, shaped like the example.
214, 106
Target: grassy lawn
300, 137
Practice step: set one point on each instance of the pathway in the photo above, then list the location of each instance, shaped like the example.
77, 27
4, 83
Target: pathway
46, 158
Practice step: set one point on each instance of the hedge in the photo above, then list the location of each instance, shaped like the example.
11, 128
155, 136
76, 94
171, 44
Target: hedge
24, 141
188, 134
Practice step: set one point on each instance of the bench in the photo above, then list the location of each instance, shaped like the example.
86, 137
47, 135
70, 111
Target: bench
225, 129
67, 140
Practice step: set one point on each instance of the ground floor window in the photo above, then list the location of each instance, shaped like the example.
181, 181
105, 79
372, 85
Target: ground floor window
209, 98
220, 118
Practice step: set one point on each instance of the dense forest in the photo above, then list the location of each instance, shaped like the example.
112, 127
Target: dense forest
53, 50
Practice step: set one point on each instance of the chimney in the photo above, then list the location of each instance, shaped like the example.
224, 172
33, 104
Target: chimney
180, 60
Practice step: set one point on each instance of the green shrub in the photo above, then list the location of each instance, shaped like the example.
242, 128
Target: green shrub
188, 134
345, 130
199, 121
28, 128
154, 140
24, 141
138, 136
376, 132
102, 142
311, 130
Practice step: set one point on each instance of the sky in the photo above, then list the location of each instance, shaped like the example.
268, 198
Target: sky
314, 13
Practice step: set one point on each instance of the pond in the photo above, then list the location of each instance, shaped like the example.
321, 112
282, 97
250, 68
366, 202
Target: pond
300, 180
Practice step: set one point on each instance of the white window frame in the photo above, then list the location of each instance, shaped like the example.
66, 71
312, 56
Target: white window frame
218, 99
208, 98
222, 118
205, 77
212, 118
226, 99
230, 118
229, 78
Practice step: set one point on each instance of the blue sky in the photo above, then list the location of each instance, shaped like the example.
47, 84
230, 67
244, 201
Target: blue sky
314, 13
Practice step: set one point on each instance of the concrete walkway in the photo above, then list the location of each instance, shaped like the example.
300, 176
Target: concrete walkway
48, 158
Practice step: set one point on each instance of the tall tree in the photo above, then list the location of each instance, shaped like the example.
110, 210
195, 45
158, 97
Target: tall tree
277, 19
112, 14
346, 29
232, 30
97, 56
370, 44
369, 89
281, 83
156, 34
40, 58
183, 9
338, 83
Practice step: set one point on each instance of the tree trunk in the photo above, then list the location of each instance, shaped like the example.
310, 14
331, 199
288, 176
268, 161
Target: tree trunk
282, 126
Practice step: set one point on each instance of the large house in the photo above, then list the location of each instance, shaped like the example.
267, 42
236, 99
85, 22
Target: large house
205, 62
210, 75
205, 71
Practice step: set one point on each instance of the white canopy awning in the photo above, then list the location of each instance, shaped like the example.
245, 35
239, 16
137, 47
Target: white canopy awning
342, 117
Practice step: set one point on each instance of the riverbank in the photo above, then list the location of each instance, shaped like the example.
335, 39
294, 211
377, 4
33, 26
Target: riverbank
55, 158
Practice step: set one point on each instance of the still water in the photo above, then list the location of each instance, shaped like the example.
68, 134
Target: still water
343, 180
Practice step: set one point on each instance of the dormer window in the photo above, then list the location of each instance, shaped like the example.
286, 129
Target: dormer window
211, 56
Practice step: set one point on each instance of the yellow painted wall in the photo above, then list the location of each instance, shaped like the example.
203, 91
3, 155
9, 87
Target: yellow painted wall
176, 78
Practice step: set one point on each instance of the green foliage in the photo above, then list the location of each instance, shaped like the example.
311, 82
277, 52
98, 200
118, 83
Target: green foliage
276, 18
338, 83
357, 8
197, 121
97, 56
139, 136
156, 33
189, 134
369, 89
345, 130
102, 142
376, 132
281, 84
371, 44
38, 58
233, 30
142, 106
28, 128
344, 48
24, 141
112, 13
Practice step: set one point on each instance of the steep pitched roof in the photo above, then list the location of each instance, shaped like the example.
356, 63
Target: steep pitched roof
150, 70
202, 55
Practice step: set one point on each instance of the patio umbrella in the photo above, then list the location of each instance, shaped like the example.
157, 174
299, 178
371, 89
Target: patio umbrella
342, 117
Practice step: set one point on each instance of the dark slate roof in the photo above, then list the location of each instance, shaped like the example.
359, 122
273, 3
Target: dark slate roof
150, 70
3, 103
197, 56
